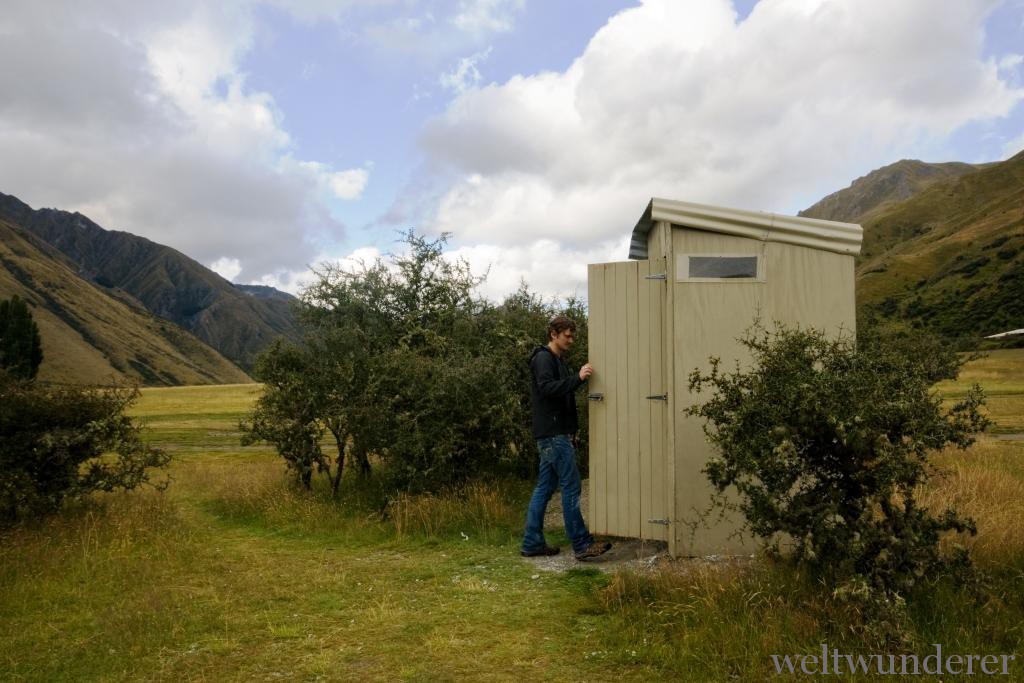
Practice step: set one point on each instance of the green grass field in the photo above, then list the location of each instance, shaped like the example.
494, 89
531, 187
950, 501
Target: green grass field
232, 574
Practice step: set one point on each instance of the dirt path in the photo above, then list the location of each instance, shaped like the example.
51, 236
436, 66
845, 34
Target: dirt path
627, 553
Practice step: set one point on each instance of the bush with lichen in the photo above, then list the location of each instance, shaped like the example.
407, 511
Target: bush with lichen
61, 443
823, 442
411, 373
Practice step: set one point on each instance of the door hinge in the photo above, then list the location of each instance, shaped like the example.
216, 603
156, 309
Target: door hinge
663, 522
595, 397
656, 276
658, 397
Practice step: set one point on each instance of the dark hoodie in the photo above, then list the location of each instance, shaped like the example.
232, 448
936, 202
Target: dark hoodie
551, 394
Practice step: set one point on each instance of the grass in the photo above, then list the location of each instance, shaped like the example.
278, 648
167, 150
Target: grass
988, 486
233, 574
931, 259
1001, 374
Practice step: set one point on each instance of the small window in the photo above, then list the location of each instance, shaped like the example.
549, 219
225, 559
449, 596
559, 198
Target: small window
720, 267
723, 267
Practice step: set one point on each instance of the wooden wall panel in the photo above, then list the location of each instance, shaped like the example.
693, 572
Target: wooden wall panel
801, 285
643, 373
634, 404
597, 329
811, 287
646, 338
611, 401
657, 499
620, 527
709, 316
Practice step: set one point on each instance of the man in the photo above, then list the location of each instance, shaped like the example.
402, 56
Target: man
554, 425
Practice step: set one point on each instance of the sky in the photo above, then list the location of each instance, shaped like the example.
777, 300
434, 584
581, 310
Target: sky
262, 137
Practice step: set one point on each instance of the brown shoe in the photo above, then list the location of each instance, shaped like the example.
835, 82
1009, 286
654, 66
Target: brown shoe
594, 550
546, 550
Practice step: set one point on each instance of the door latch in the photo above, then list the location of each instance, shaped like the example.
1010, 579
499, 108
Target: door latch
658, 276
658, 397
595, 397
663, 522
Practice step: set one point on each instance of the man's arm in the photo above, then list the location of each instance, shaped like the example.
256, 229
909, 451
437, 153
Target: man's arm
546, 375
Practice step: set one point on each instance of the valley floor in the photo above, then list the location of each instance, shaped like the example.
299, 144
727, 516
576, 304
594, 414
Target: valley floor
232, 574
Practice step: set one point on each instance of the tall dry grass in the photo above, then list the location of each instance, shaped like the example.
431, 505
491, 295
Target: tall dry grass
481, 509
263, 494
985, 483
101, 529
728, 617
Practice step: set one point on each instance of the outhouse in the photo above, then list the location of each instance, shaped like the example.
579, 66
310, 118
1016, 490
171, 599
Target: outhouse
697, 278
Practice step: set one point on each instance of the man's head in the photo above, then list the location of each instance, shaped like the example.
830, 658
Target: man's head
561, 334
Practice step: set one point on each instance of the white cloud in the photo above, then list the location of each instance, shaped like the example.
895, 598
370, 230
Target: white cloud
487, 16
312, 11
293, 281
228, 268
138, 116
465, 75
547, 266
434, 32
358, 258
349, 184
1010, 62
676, 99
1013, 147
309, 70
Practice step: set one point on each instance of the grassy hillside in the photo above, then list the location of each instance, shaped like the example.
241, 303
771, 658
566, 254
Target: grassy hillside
952, 257
234, 575
943, 244
88, 336
883, 188
237, 322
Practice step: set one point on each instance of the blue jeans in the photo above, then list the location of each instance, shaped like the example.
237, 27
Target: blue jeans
557, 468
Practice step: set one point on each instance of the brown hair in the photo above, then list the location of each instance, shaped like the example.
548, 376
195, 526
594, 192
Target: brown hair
559, 324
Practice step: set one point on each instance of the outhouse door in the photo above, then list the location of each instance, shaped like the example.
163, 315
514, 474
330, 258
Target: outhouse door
627, 396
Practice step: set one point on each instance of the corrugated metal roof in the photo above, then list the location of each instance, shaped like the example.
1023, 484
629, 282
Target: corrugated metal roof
843, 238
1005, 334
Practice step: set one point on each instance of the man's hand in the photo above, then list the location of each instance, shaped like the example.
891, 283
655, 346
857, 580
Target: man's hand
586, 371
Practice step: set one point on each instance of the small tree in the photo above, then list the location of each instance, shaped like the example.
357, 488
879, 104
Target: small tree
21, 349
826, 441
402, 360
67, 442
288, 414
443, 409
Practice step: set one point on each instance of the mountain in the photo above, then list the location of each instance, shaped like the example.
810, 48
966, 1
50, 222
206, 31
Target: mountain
883, 188
950, 256
90, 337
236, 321
265, 292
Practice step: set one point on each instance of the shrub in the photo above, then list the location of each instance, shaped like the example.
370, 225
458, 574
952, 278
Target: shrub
61, 443
401, 360
288, 413
21, 349
825, 440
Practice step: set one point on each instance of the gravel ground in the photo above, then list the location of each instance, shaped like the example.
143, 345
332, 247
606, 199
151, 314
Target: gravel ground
627, 553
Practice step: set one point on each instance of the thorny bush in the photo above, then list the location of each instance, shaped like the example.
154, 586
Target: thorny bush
825, 440
414, 375
60, 443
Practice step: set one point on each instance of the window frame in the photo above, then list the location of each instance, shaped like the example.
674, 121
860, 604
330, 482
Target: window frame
683, 267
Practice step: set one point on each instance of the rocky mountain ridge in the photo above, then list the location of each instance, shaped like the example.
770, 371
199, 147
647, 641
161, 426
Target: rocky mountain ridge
236, 321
